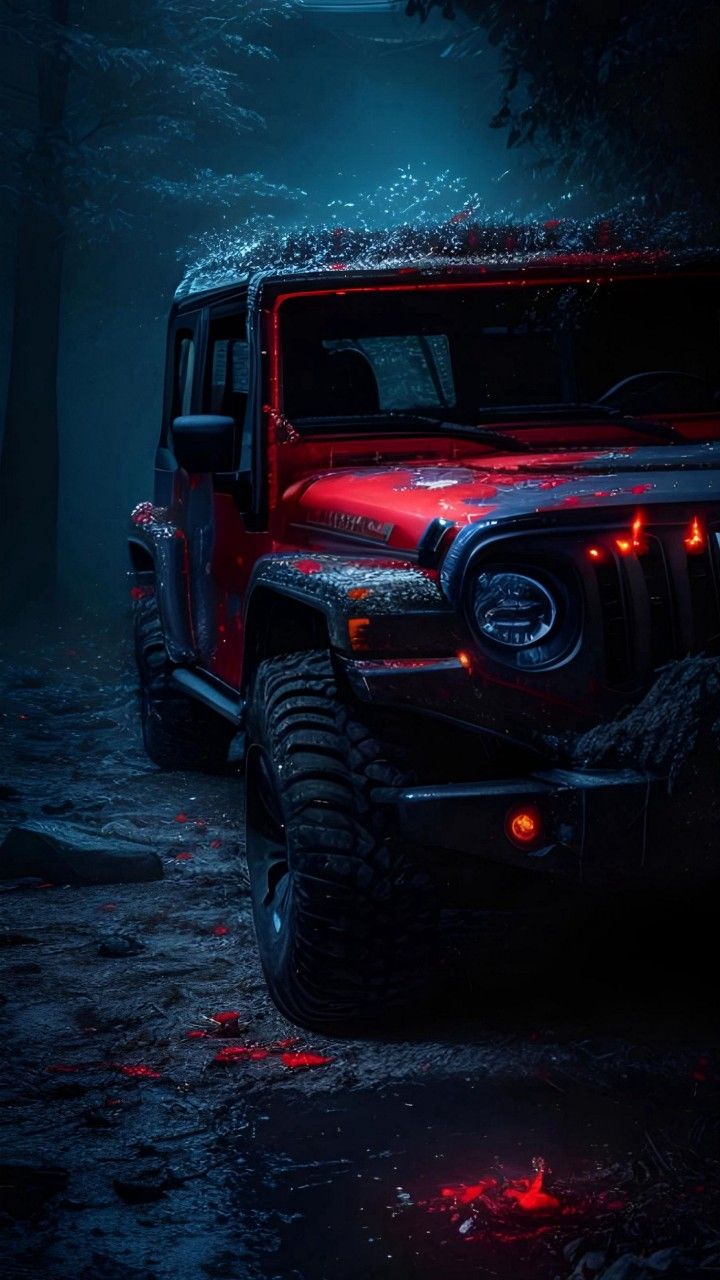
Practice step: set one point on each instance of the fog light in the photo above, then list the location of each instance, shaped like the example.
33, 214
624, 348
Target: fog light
523, 826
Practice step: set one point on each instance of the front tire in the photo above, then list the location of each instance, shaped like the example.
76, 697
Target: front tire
343, 915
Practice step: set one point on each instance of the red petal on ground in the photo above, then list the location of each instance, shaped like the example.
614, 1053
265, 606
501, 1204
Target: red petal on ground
227, 1020
220, 930
294, 1060
140, 1072
233, 1053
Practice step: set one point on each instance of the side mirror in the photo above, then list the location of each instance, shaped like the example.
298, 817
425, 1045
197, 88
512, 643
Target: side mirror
204, 442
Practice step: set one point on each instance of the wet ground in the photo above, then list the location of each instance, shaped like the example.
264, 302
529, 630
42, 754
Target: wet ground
564, 1126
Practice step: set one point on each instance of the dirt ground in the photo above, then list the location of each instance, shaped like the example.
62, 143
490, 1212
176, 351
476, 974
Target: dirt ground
565, 1124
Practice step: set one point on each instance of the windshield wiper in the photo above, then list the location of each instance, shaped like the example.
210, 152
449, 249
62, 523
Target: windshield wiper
471, 430
583, 411
407, 418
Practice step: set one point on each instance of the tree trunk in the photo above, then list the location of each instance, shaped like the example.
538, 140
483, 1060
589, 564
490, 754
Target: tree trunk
29, 459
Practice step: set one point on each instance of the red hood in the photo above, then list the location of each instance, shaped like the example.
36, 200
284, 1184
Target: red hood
393, 505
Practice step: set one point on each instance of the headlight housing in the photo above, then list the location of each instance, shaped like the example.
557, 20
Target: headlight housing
513, 610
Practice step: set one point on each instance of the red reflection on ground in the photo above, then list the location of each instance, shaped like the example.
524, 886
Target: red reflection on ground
465, 1195
529, 1194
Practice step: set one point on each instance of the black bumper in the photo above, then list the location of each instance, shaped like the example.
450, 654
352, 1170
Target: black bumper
598, 827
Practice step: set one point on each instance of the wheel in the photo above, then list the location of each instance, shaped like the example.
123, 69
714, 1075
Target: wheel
178, 732
343, 915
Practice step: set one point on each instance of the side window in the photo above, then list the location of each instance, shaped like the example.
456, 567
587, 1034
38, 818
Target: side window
226, 391
184, 370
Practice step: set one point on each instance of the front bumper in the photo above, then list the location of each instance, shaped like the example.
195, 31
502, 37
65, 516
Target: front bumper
597, 827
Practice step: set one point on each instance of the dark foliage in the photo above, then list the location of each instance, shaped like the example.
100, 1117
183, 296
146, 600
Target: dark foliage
619, 96
95, 105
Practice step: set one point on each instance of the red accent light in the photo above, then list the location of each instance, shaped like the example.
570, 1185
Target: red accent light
635, 544
523, 826
594, 553
695, 537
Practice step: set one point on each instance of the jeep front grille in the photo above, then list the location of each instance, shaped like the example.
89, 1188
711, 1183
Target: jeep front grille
658, 605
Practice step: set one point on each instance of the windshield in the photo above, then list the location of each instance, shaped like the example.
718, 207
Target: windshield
636, 346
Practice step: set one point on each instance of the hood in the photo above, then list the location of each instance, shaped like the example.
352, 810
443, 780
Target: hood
393, 505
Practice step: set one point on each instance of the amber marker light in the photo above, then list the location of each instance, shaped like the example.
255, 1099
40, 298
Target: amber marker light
635, 544
357, 631
695, 536
465, 660
523, 826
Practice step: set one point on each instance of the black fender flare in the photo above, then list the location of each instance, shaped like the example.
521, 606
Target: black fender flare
325, 592
159, 563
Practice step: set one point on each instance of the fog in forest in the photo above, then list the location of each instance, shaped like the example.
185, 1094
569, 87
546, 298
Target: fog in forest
329, 106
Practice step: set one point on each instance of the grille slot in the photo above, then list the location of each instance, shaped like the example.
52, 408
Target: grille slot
615, 620
705, 603
663, 640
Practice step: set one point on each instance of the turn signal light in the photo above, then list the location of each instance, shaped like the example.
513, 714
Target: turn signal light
358, 633
523, 826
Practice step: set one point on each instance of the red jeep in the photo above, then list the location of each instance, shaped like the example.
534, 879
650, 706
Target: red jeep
414, 530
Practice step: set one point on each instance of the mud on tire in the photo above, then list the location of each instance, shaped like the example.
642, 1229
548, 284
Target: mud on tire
178, 733
343, 915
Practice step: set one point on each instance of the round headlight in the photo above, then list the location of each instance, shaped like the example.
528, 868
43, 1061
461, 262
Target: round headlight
512, 609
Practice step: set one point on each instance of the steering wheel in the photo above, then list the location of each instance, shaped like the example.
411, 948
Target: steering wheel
651, 381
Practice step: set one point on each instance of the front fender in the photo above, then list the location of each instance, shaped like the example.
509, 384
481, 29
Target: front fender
404, 606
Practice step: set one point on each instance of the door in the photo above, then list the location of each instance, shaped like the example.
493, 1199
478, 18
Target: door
227, 548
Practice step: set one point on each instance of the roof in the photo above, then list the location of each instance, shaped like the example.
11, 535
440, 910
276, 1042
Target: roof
466, 249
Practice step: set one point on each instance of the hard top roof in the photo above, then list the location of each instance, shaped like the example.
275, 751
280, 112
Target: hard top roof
338, 257
275, 280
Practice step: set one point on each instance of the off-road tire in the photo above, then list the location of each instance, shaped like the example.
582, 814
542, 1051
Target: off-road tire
178, 732
358, 912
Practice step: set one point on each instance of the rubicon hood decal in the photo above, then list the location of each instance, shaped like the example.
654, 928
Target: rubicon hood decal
348, 522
